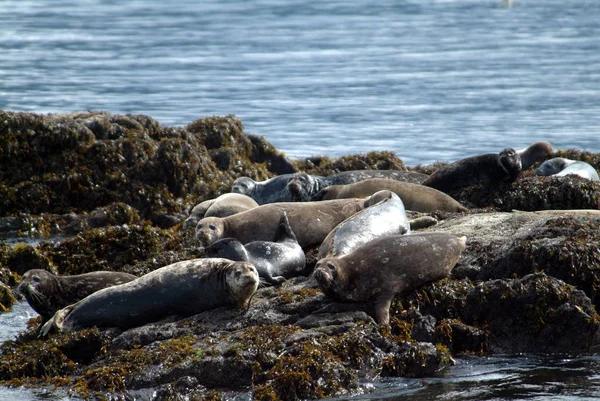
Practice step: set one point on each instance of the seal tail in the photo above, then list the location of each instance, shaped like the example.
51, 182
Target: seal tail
284, 230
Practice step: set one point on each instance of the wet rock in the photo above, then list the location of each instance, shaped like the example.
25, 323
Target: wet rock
562, 244
536, 313
109, 248
461, 338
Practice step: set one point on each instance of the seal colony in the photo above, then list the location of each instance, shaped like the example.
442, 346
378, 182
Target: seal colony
294, 337
262, 229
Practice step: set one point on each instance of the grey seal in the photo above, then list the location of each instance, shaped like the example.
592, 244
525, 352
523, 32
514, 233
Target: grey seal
487, 170
387, 217
184, 288
560, 167
416, 197
46, 293
303, 187
380, 269
269, 191
222, 206
275, 260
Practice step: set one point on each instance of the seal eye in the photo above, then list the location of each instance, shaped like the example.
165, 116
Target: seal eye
331, 266
238, 274
212, 227
35, 279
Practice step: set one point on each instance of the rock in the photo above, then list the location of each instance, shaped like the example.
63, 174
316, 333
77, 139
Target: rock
117, 188
536, 313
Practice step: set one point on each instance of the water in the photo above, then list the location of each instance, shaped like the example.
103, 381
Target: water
428, 79
496, 378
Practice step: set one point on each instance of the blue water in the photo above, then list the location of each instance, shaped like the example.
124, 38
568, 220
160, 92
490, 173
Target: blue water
428, 79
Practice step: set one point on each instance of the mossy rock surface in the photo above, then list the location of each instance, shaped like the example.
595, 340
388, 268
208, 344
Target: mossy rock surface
324, 165
60, 164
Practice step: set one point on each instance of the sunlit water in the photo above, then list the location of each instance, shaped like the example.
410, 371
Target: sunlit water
428, 79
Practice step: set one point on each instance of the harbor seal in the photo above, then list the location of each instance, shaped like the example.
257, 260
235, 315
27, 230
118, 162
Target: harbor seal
560, 167
310, 221
386, 217
416, 197
536, 152
46, 293
275, 260
302, 186
269, 191
380, 269
222, 206
487, 170
184, 288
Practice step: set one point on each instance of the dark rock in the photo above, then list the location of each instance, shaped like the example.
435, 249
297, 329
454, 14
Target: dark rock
536, 313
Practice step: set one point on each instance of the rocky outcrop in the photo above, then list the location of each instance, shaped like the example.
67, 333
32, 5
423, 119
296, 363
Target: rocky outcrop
117, 188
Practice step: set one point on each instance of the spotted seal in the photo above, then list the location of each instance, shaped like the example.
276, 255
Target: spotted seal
222, 206
387, 217
46, 293
560, 167
302, 186
416, 197
380, 269
310, 221
269, 191
487, 170
536, 152
184, 288
275, 260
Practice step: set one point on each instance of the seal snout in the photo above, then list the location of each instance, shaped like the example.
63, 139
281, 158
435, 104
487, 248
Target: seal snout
325, 274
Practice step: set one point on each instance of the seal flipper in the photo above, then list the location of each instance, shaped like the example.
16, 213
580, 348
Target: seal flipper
274, 281
284, 230
382, 308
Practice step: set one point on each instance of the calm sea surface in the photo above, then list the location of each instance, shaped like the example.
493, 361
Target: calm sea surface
428, 79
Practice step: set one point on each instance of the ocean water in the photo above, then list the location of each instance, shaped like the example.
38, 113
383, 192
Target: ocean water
428, 79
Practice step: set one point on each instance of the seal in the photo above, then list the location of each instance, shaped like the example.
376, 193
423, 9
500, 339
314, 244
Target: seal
386, 217
222, 206
534, 153
310, 221
487, 170
302, 186
269, 191
46, 293
416, 197
560, 167
380, 269
184, 288
275, 260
